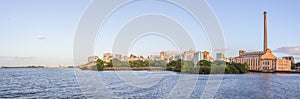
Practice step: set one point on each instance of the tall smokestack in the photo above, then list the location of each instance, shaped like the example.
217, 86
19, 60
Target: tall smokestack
265, 32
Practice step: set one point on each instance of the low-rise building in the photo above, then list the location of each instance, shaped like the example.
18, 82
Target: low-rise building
262, 61
92, 59
133, 57
107, 57
291, 58
118, 56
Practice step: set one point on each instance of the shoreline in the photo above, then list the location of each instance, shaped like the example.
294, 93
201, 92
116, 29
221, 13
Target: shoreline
136, 69
153, 68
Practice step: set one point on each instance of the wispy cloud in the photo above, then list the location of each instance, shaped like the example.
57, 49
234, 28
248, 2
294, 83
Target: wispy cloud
291, 50
41, 37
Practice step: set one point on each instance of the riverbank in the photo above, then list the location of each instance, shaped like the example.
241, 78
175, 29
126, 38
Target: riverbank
125, 68
137, 69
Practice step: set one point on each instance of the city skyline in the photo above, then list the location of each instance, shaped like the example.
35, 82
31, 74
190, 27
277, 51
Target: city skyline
42, 33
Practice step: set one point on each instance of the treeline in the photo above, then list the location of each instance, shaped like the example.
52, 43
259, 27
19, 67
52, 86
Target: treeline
202, 67
294, 65
132, 64
207, 67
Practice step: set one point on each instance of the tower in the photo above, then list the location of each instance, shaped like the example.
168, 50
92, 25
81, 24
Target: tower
265, 32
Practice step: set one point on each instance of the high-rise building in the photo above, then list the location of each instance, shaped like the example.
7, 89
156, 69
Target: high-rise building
206, 56
163, 55
197, 58
188, 55
220, 56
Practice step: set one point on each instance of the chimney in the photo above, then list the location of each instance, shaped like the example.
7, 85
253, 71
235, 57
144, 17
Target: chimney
265, 32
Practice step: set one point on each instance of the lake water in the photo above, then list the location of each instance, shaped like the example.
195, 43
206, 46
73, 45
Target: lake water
74, 83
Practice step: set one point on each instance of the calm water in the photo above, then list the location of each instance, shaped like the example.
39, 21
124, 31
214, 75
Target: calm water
74, 83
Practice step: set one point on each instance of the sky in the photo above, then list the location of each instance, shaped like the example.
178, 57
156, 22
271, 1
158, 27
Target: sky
41, 32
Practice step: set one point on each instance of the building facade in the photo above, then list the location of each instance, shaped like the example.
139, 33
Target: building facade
134, 58
206, 56
92, 59
188, 55
118, 56
291, 58
220, 56
107, 57
265, 60
197, 58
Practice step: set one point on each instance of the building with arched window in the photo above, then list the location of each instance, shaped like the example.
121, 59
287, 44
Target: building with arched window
265, 60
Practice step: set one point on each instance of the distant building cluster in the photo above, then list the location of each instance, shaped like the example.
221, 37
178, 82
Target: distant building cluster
190, 55
263, 61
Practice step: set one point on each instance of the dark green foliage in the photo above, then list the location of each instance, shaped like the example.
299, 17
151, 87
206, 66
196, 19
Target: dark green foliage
138, 63
206, 67
293, 65
217, 69
204, 63
219, 62
236, 68
118, 63
204, 70
174, 65
230, 69
188, 67
297, 65
109, 64
157, 63
99, 65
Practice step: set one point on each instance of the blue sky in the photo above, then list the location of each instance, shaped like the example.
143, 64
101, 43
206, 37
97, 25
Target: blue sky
35, 32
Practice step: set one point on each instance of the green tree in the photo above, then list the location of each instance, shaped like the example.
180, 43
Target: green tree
231, 70
297, 64
109, 64
138, 63
204, 70
219, 62
293, 66
157, 63
217, 69
174, 65
204, 63
118, 63
145, 63
100, 65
